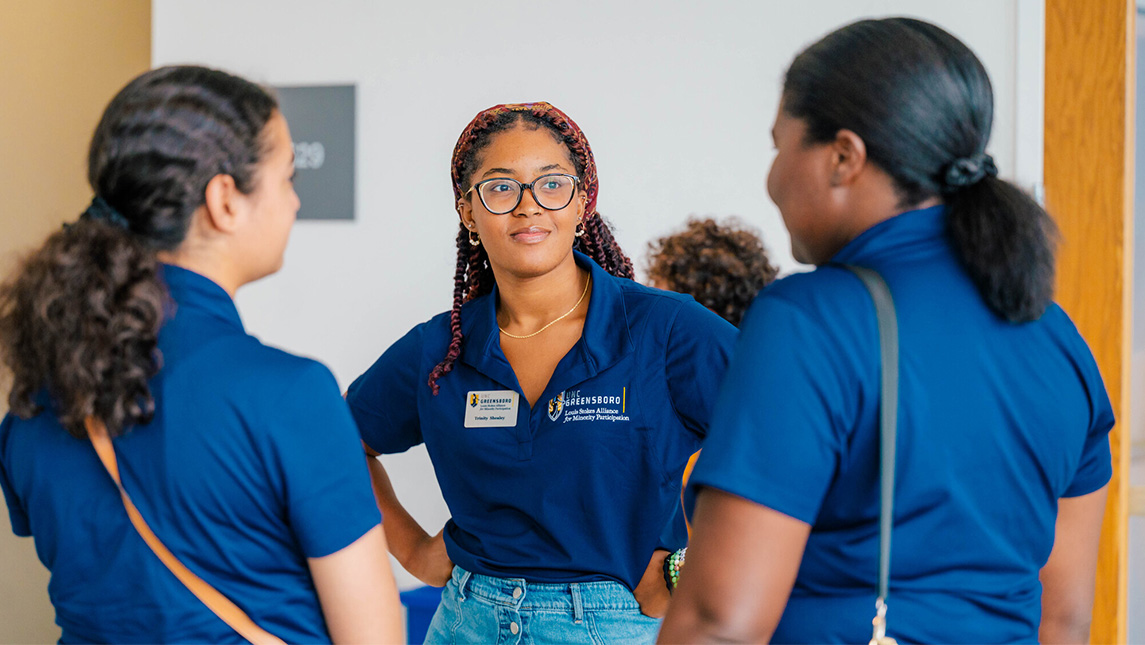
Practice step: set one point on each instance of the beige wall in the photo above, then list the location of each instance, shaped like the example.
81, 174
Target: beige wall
61, 61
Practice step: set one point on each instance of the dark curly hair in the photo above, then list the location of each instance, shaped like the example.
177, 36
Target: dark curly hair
923, 105
721, 266
473, 276
81, 315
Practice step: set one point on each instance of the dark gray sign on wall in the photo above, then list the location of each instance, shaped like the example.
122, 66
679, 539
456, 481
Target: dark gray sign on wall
321, 122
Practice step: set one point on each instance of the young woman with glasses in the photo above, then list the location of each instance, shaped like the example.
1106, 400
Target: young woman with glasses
1002, 451
242, 459
559, 402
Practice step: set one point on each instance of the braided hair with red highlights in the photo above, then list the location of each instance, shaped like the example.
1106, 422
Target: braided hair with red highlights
473, 276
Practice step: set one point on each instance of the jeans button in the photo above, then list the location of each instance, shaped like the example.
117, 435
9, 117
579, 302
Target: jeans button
517, 594
514, 628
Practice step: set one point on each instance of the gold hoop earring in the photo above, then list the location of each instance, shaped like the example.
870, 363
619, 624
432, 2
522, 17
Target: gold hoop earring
474, 238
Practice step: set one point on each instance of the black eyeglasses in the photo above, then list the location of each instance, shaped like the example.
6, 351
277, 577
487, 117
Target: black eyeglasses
501, 195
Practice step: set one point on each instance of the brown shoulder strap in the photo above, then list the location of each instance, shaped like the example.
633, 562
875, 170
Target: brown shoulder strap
226, 610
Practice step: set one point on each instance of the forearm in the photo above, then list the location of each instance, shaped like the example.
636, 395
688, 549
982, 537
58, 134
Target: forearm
742, 562
357, 592
700, 620
1064, 629
403, 533
652, 590
1068, 576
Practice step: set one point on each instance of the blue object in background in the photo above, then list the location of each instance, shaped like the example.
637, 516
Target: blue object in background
420, 604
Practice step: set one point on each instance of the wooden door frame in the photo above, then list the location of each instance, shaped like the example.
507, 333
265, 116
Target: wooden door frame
1089, 147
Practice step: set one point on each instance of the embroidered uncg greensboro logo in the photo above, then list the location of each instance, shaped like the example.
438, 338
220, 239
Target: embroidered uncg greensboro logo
556, 404
574, 406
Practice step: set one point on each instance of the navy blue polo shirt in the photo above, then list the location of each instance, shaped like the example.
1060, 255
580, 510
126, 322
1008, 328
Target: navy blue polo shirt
996, 422
579, 487
251, 465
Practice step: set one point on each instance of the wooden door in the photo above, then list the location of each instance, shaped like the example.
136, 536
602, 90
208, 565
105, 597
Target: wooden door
61, 61
1089, 145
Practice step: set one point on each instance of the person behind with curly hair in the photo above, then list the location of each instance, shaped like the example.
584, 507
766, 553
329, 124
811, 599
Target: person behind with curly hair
558, 400
722, 266
123, 341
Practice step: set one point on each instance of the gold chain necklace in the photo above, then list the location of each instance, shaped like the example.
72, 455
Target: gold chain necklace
562, 317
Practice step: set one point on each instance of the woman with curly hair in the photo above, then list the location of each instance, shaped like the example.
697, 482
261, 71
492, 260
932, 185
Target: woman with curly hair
722, 266
558, 400
230, 474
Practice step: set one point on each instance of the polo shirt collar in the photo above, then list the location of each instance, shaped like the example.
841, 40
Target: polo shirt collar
194, 292
604, 341
606, 335
897, 238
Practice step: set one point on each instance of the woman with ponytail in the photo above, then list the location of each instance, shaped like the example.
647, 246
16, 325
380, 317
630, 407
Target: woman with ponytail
121, 332
1002, 450
558, 400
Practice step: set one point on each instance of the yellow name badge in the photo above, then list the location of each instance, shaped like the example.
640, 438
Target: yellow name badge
491, 409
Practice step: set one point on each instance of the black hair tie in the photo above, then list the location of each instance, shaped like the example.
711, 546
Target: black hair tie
968, 171
100, 211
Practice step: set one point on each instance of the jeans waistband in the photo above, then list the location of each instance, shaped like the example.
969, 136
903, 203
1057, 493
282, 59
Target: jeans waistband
573, 597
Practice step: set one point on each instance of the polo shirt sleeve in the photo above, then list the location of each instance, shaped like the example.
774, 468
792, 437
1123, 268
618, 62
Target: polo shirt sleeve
778, 428
383, 400
16, 513
699, 348
1096, 466
329, 500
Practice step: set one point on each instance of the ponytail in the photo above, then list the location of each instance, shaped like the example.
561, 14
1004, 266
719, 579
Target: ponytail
1006, 242
81, 318
923, 105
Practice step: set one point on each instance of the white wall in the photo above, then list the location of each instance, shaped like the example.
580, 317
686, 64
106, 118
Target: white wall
677, 99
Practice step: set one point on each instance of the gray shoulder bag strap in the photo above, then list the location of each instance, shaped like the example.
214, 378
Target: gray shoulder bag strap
888, 418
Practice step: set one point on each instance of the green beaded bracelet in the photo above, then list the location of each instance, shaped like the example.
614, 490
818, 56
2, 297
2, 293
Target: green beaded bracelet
673, 564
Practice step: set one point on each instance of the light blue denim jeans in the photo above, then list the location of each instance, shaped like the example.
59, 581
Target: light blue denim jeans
482, 609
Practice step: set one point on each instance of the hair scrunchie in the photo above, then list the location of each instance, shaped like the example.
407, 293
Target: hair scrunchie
968, 171
100, 211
